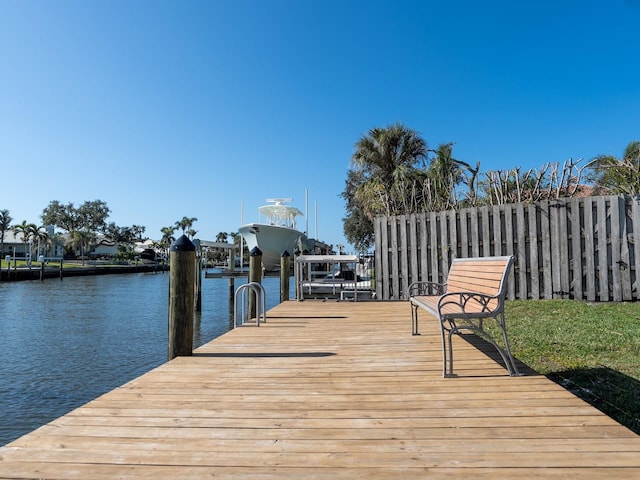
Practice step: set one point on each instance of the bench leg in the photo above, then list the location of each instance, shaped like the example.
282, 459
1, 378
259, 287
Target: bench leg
447, 351
509, 361
414, 320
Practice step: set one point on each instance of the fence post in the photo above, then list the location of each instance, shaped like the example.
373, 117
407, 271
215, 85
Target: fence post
182, 265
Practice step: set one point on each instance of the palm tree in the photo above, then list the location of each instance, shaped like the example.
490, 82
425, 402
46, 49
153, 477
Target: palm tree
5, 225
25, 231
167, 239
619, 175
185, 224
386, 166
40, 236
386, 153
445, 174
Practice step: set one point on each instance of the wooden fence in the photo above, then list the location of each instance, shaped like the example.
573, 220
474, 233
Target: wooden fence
580, 248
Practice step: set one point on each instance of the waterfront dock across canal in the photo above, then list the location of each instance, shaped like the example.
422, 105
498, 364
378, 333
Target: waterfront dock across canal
329, 390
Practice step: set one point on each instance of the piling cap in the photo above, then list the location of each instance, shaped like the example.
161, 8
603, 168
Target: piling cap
255, 252
183, 244
286, 254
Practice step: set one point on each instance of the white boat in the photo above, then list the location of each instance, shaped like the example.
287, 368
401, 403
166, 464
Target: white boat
276, 234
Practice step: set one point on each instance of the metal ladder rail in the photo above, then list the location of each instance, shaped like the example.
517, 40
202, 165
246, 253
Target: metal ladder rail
261, 303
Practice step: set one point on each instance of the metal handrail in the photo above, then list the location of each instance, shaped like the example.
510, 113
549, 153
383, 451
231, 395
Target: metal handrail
261, 303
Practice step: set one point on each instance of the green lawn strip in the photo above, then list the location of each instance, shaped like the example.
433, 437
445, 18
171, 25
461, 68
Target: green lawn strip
592, 349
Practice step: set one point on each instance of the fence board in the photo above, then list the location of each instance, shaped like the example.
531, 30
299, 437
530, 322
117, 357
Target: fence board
475, 237
625, 254
486, 235
635, 216
575, 266
585, 248
615, 250
545, 235
435, 263
421, 219
589, 249
521, 257
603, 266
463, 244
563, 243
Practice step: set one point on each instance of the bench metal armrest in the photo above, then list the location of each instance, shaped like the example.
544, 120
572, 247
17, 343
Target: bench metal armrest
426, 288
469, 304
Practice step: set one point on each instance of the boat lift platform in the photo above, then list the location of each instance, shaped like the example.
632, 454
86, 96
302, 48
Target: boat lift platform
316, 277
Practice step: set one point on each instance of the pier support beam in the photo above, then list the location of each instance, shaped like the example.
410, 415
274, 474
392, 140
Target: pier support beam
285, 272
182, 276
255, 275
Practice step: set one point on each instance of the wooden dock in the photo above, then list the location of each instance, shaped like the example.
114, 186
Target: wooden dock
329, 390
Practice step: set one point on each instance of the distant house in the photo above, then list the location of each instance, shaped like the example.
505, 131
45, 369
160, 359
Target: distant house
13, 245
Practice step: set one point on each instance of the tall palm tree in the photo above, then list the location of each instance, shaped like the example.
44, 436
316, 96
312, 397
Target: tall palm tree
41, 237
384, 152
387, 159
619, 175
25, 231
167, 239
5, 225
185, 224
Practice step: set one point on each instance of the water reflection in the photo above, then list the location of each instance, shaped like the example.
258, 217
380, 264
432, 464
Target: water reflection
63, 343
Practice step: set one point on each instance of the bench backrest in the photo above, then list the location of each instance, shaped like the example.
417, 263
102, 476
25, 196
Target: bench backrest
485, 275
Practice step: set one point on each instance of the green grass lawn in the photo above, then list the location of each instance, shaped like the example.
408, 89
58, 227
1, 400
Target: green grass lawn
592, 349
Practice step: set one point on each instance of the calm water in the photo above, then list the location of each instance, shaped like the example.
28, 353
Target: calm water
63, 343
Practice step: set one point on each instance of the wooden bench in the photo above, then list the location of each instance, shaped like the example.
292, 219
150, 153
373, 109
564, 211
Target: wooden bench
475, 290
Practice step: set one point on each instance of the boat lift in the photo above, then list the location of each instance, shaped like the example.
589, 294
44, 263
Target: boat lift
325, 283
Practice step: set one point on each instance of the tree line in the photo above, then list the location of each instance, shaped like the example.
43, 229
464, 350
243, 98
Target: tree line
84, 226
394, 172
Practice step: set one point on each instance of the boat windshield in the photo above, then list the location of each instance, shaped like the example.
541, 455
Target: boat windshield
280, 214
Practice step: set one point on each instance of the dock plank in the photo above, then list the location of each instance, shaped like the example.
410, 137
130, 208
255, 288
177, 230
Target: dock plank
329, 390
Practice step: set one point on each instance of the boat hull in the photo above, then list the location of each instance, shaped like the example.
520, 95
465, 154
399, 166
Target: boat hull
273, 241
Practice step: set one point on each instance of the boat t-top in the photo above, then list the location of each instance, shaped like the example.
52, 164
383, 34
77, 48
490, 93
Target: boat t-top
280, 214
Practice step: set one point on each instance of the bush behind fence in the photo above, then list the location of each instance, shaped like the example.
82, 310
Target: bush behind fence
581, 248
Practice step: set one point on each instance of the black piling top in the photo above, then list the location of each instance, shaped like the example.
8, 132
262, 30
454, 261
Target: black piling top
183, 244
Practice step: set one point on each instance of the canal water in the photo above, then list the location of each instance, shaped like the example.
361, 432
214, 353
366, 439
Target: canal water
64, 343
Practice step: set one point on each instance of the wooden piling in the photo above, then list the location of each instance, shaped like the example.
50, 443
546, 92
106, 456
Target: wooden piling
182, 274
255, 275
285, 272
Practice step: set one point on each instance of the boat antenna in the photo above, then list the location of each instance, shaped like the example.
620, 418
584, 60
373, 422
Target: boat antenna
306, 211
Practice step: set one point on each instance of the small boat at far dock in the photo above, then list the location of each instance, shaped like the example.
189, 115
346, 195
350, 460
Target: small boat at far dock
276, 234
148, 256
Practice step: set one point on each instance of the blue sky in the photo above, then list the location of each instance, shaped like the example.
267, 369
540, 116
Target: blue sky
165, 109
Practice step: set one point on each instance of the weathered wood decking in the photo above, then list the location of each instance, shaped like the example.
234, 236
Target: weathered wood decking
329, 390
